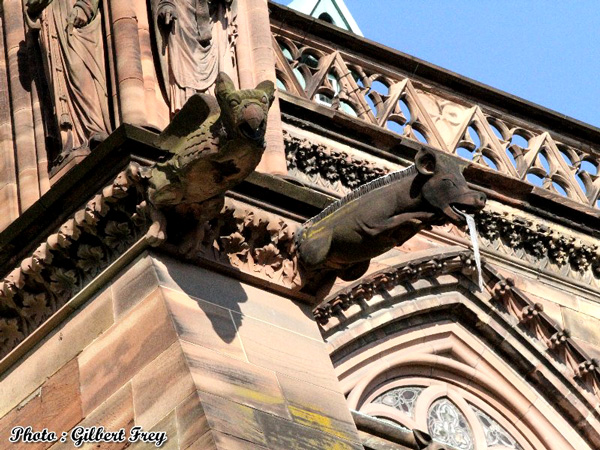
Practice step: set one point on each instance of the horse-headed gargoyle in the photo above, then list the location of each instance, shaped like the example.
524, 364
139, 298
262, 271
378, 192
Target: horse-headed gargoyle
385, 213
213, 145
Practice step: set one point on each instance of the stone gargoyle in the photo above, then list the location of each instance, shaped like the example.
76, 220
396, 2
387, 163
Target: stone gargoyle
386, 212
213, 145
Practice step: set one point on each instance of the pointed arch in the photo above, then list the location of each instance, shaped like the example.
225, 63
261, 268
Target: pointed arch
422, 319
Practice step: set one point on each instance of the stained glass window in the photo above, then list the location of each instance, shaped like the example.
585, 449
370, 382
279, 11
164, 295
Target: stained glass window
494, 433
403, 399
447, 423
449, 426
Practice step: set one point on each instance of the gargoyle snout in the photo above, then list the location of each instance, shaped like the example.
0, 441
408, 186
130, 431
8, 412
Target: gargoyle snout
480, 199
253, 115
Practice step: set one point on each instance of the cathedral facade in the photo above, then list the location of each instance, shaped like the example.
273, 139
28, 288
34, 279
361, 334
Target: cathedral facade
229, 224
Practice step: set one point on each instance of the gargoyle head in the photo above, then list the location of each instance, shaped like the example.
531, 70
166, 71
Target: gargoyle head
244, 113
447, 189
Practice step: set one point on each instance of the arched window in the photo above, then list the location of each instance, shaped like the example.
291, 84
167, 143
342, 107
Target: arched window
431, 354
451, 415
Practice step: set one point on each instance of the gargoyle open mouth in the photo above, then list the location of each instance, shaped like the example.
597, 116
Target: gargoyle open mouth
457, 211
252, 133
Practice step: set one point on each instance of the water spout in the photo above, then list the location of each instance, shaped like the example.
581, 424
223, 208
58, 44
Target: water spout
475, 244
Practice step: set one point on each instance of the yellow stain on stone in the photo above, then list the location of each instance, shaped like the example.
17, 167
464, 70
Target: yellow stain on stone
257, 396
321, 445
318, 421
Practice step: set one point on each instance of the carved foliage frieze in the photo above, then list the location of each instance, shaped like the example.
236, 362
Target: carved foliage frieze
252, 240
540, 244
328, 168
240, 236
69, 258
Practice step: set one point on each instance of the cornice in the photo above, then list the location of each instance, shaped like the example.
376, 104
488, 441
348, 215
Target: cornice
545, 245
70, 258
508, 308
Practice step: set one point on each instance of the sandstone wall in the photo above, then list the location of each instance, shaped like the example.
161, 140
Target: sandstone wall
170, 347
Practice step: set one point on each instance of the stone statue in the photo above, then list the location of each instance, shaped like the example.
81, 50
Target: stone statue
195, 41
72, 46
385, 213
213, 145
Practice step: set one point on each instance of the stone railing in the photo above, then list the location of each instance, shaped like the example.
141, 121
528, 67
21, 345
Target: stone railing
329, 69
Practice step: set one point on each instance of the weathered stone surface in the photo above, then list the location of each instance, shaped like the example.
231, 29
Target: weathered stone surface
283, 435
9, 200
226, 441
582, 326
238, 381
288, 353
20, 106
167, 425
135, 283
160, 386
135, 341
233, 418
56, 406
129, 74
204, 323
92, 319
318, 408
192, 424
249, 301
114, 414
206, 442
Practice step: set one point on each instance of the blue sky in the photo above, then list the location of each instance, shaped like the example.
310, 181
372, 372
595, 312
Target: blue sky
547, 52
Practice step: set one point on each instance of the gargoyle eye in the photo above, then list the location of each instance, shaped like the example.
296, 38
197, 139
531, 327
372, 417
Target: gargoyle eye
264, 99
233, 102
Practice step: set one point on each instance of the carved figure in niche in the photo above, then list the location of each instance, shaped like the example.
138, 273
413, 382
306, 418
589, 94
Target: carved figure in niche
70, 33
196, 40
387, 212
214, 144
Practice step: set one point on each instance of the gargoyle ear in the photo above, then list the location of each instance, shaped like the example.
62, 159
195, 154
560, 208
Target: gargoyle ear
268, 88
426, 162
224, 84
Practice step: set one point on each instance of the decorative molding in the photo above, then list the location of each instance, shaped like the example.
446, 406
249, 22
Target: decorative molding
94, 237
386, 280
540, 244
250, 239
523, 313
367, 90
326, 167
241, 236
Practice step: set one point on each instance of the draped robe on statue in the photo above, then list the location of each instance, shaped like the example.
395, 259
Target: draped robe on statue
189, 64
75, 66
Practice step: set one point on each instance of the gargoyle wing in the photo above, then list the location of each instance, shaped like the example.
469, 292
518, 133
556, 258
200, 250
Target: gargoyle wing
187, 121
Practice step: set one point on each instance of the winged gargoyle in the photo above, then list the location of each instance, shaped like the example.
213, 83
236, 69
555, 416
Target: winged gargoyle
213, 144
385, 213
